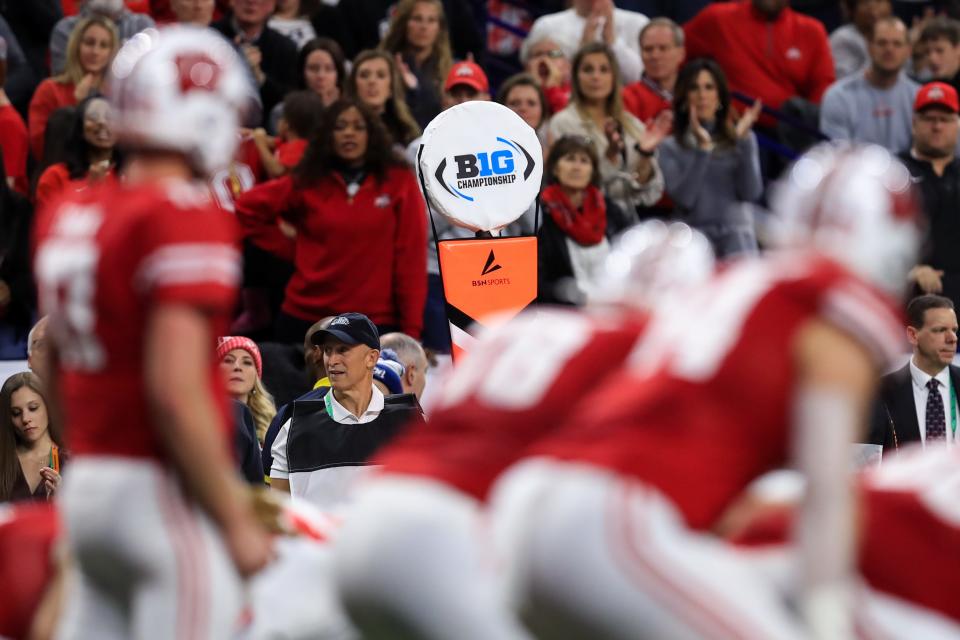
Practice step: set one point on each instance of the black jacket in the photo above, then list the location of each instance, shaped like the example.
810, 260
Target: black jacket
894, 422
279, 64
941, 204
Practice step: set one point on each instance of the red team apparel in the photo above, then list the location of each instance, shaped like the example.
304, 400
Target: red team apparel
706, 406
768, 59
510, 393
27, 535
104, 258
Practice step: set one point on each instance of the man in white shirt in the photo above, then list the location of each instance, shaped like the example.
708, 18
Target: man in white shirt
321, 450
594, 21
919, 401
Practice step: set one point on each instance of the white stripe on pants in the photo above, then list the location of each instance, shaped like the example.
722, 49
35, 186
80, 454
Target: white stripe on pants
149, 564
595, 556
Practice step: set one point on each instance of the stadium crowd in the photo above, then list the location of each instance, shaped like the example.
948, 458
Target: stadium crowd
321, 338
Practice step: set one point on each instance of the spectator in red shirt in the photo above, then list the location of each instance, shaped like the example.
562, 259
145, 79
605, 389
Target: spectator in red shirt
13, 133
662, 52
300, 115
361, 227
89, 154
767, 50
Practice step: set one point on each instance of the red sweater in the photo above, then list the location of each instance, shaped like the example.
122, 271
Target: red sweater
49, 96
645, 101
773, 61
366, 253
13, 141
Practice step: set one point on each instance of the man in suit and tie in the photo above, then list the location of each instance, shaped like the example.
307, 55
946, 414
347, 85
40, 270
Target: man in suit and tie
919, 401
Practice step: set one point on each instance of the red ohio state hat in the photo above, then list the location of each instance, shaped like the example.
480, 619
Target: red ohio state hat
937, 94
468, 73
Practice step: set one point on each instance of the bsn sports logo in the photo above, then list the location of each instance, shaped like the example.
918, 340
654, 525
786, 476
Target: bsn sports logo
489, 267
486, 169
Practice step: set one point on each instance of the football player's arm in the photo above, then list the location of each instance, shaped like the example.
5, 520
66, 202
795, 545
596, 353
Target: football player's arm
836, 383
177, 369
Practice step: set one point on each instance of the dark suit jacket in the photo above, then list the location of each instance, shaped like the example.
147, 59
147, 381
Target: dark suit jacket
279, 63
894, 422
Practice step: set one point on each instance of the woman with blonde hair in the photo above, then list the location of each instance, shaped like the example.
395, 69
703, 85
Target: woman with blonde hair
419, 39
375, 82
31, 454
629, 174
90, 49
242, 369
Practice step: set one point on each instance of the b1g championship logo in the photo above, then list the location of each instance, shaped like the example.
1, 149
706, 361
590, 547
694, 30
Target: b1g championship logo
486, 169
481, 165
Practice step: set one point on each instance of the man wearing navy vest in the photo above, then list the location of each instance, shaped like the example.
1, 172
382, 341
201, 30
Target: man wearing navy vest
919, 401
324, 448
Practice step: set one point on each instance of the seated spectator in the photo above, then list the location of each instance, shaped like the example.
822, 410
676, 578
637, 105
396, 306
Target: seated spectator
322, 450
547, 61
941, 41
848, 44
419, 40
271, 56
876, 104
242, 369
411, 355
38, 350
662, 52
301, 111
588, 21
13, 134
361, 227
89, 153
92, 46
578, 222
769, 51
711, 162
375, 82
629, 174
290, 20
31, 455
323, 69
198, 12
387, 373
525, 97
127, 24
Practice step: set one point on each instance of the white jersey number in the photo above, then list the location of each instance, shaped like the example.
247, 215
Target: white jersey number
514, 365
66, 265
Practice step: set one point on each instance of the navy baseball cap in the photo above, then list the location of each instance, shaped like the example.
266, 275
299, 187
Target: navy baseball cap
350, 328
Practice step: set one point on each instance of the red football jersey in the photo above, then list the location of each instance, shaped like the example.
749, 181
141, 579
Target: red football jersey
704, 404
909, 547
27, 533
512, 388
103, 259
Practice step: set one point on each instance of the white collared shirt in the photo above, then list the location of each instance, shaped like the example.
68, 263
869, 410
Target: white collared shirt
920, 393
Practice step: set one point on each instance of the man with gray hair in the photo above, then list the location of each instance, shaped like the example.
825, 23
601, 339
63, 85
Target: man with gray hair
662, 53
37, 350
128, 24
412, 357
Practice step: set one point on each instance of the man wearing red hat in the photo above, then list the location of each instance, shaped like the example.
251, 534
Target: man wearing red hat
936, 126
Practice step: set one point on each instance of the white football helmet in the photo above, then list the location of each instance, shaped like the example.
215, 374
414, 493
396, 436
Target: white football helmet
856, 204
651, 260
183, 89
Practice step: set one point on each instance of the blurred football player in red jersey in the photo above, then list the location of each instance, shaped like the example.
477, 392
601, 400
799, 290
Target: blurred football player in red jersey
413, 553
138, 279
609, 519
908, 534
